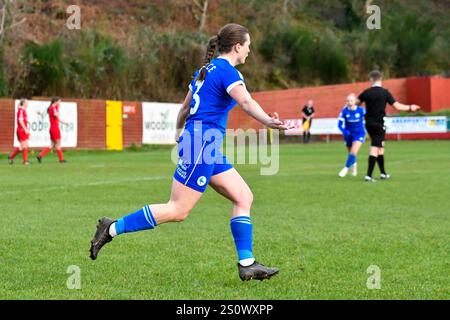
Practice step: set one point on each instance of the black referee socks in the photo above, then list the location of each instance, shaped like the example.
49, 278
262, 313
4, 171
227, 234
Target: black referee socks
380, 161
372, 162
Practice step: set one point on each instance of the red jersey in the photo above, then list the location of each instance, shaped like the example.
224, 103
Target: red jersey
53, 113
21, 116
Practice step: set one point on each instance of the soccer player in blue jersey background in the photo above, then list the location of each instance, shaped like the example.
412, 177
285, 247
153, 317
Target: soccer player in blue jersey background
351, 124
213, 92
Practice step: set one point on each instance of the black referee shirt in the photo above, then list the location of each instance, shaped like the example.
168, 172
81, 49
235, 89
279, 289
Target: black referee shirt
308, 110
375, 99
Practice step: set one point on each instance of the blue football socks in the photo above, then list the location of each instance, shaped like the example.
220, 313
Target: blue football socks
140, 220
350, 160
242, 230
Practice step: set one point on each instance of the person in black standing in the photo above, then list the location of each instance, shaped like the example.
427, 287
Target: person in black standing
375, 99
307, 117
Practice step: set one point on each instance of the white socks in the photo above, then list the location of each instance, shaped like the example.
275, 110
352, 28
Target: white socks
112, 230
246, 262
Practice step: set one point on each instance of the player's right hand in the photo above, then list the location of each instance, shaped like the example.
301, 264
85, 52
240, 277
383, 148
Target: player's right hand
415, 108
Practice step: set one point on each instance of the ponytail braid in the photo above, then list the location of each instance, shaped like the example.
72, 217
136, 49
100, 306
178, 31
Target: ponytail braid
223, 41
213, 43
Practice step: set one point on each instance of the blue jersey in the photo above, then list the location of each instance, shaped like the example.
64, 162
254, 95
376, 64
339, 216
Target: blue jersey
200, 156
352, 120
211, 101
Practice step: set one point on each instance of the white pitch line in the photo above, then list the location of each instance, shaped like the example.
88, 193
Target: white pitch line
81, 185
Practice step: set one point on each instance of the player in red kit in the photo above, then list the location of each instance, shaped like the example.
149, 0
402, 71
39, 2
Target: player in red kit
23, 133
55, 132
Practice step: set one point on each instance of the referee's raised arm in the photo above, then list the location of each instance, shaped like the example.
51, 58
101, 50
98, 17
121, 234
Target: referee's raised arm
406, 107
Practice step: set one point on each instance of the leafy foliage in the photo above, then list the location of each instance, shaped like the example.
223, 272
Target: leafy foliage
96, 66
44, 68
304, 54
155, 47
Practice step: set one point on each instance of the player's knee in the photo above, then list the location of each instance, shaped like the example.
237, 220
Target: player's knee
180, 217
180, 212
245, 199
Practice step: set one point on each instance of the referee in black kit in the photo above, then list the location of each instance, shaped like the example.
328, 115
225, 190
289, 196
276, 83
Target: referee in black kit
375, 99
307, 117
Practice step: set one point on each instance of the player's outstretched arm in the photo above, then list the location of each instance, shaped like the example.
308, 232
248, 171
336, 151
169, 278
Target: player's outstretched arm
183, 114
405, 107
253, 109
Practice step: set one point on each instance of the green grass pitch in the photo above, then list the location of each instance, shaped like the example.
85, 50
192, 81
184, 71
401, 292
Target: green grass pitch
323, 232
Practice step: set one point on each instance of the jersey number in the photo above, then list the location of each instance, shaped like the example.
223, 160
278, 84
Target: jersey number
196, 97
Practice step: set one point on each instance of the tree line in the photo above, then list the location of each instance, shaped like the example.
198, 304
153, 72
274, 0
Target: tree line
294, 43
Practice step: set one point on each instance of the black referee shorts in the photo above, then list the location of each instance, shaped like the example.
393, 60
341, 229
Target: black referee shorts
377, 133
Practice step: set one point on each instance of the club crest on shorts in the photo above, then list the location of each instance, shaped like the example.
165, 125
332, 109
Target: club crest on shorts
201, 181
182, 168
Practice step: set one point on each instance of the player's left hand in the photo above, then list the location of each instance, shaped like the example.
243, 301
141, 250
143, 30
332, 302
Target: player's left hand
278, 124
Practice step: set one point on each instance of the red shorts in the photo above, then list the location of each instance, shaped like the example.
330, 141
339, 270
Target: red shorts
55, 134
22, 135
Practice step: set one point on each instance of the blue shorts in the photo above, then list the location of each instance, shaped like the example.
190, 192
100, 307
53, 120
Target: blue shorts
199, 159
361, 137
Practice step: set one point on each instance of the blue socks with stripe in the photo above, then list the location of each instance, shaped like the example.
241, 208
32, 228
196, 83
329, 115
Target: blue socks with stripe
350, 160
140, 220
242, 230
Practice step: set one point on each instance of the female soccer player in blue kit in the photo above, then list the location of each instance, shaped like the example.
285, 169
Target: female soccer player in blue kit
351, 124
214, 91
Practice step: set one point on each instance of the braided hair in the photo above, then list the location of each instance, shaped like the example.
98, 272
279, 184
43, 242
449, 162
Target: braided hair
228, 36
210, 53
